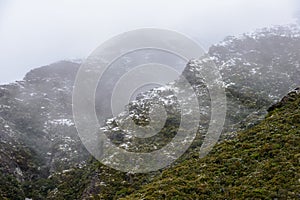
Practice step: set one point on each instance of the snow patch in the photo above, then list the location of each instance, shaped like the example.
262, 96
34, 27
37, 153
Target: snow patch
61, 122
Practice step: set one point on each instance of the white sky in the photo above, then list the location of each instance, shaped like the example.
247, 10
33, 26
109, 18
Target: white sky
38, 32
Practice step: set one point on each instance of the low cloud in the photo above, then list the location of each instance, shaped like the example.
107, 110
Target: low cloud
35, 33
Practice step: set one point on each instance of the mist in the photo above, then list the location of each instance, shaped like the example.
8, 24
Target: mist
35, 33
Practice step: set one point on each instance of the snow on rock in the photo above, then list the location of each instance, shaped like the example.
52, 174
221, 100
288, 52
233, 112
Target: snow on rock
61, 122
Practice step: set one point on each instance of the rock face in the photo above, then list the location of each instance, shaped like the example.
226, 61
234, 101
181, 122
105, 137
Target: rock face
39, 139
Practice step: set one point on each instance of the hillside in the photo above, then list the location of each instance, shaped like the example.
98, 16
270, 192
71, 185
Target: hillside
260, 163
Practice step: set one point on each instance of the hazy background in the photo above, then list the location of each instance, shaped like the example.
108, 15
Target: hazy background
35, 33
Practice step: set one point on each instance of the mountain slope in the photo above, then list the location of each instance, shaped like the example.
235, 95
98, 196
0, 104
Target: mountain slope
37, 134
257, 69
261, 163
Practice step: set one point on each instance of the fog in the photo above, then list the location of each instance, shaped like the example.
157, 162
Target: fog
35, 33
